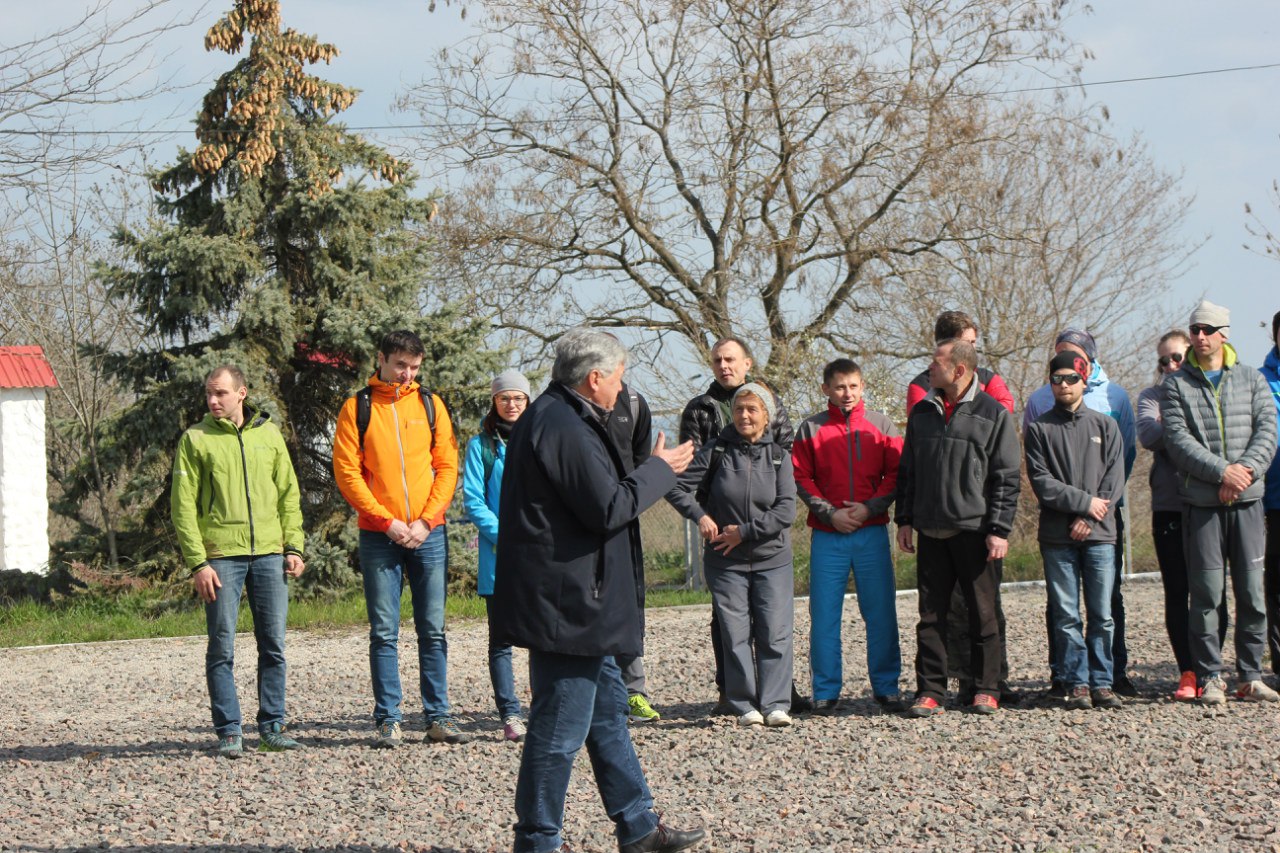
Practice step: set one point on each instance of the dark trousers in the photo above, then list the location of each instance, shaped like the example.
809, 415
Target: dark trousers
941, 566
1271, 586
1166, 532
717, 649
959, 642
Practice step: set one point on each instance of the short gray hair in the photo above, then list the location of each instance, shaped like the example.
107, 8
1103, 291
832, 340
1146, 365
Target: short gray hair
583, 350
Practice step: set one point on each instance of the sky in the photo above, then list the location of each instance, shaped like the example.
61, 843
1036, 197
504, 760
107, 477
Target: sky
1220, 131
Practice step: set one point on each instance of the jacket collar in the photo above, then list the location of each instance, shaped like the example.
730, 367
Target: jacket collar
855, 414
387, 392
935, 395
1229, 358
253, 418
1272, 360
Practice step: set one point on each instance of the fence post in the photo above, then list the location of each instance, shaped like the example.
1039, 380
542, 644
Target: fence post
693, 578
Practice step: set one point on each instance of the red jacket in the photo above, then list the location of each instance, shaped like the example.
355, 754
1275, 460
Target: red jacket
840, 459
988, 380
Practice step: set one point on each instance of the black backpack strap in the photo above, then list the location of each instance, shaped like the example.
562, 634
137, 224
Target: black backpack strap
364, 407
429, 403
713, 465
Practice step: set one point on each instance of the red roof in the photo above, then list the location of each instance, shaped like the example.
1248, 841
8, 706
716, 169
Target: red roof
25, 367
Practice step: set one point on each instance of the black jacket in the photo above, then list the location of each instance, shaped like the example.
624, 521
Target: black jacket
962, 474
707, 414
569, 577
1073, 457
630, 427
748, 489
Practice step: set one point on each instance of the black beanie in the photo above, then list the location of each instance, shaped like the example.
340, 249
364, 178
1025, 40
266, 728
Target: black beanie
1069, 360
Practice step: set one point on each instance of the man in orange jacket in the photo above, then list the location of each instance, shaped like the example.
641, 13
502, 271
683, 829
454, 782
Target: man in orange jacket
396, 463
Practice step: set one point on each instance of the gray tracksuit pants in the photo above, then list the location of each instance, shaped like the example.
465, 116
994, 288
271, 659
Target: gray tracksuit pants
1212, 538
760, 605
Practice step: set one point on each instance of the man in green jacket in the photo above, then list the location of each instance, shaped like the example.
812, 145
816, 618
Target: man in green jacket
235, 508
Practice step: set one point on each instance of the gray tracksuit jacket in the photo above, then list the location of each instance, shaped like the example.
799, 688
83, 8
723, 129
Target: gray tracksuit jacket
748, 489
1073, 457
1207, 428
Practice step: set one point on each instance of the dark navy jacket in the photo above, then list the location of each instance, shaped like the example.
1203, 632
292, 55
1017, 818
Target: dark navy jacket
569, 575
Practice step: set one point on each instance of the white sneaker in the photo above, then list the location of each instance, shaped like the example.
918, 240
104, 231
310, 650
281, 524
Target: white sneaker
751, 718
1215, 691
777, 719
1256, 691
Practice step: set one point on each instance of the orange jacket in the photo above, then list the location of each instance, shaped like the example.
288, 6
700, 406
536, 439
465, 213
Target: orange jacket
399, 473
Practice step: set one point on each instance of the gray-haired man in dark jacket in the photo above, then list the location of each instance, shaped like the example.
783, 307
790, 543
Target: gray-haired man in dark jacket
1220, 431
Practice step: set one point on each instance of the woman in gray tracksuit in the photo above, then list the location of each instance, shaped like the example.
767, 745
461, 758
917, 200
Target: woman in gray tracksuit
741, 491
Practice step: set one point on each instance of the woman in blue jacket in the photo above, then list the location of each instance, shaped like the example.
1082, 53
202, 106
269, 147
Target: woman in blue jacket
741, 491
481, 487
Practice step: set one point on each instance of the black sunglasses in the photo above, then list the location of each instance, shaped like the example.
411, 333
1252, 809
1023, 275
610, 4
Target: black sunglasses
1174, 358
1205, 329
1069, 378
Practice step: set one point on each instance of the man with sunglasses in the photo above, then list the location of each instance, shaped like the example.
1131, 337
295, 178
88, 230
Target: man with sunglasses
1101, 395
1074, 464
1220, 431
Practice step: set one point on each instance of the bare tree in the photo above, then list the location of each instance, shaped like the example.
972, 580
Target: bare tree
699, 168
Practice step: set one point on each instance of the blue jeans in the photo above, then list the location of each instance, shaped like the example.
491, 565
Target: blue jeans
866, 551
262, 579
1086, 657
578, 700
386, 567
500, 675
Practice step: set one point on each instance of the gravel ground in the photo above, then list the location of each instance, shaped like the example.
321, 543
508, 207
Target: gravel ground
109, 745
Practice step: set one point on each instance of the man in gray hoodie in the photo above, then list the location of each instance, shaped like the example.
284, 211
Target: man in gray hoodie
1220, 431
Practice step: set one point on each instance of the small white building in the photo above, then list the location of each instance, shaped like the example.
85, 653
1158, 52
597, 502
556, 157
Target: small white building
24, 496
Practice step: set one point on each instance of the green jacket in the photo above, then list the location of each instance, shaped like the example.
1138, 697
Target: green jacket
234, 491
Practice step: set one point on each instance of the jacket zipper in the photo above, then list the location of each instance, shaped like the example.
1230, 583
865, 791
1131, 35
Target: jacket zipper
248, 501
404, 477
848, 443
746, 509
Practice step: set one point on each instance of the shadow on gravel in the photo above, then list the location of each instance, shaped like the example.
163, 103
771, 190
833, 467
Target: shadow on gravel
97, 752
246, 848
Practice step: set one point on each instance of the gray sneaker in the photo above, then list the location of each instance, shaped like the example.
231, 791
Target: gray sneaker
273, 739
445, 730
386, 735
1215, 691
231, 746
1256, 691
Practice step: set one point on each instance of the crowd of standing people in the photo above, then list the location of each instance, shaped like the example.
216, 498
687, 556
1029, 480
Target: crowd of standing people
556, 486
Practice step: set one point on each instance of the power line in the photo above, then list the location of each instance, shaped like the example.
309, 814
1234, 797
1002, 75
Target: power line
438, 125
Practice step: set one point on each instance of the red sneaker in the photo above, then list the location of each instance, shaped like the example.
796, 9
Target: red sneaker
1187, 690
984, 704
925, 706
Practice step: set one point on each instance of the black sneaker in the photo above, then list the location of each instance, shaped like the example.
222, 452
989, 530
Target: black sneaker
1009, 696
1105, 698
800, 704
965, 692
664, 840
1124, 687
825, 707
892, 704
1057, 690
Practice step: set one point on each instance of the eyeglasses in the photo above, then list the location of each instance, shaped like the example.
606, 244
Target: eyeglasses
1205, 329
512, 400
1069, 378
1171, 358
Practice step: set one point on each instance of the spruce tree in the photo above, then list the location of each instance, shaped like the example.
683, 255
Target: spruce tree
286, 245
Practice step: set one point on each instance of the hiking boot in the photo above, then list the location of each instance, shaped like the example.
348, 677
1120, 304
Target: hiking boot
1214, 691
664, 839
1124, 687
1256, 691
751, 718
514, 730
825, 707
1106, 699
273, 739
1187, 691
1079, 700
386, 735
231, 746
777, 719
445, 730
640, 711
925, 706
891, 704
984, 704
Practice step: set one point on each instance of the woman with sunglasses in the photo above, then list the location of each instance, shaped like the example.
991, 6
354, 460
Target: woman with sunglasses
481, 484
1166, 514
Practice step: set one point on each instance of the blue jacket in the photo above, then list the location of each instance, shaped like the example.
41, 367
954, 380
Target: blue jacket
1101, 395
480, 499
1271, 372
569, 577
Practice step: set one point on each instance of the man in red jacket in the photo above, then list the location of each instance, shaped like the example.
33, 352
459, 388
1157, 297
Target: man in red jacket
846, 469
957, 325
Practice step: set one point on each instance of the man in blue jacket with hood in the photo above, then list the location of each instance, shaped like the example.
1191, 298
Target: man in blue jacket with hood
1271, 507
